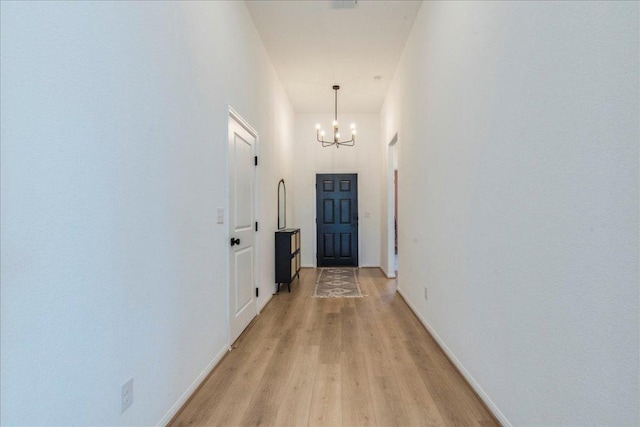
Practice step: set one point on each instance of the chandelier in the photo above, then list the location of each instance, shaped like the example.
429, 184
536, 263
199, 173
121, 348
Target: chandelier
336, 135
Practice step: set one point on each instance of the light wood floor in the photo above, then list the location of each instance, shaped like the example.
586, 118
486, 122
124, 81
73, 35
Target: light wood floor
348, 361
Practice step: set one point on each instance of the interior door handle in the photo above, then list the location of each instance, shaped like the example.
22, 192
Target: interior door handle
235, 241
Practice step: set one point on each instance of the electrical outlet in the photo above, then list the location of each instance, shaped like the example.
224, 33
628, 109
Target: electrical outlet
426, 295
126, 395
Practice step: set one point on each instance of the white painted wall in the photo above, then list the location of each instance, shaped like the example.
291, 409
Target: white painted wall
518, 130
114, 133
387, 206
311, 158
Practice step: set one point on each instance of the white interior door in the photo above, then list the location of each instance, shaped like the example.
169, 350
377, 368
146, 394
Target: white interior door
242, 307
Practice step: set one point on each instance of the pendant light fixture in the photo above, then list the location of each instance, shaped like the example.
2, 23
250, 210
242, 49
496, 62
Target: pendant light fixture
336, 135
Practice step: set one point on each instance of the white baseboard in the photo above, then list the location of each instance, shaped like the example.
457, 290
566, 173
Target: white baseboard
185, 396
481, 393
389, 276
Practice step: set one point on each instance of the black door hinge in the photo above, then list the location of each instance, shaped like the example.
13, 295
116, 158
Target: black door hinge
256, 225
257, 292
256, 160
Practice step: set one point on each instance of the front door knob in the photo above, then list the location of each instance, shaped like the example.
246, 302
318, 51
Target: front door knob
235, 241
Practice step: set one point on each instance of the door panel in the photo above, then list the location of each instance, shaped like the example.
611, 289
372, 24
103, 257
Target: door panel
329, 206
243, 180
242, 307
345, 245
337, 219
345, 211
244, 296
328, 245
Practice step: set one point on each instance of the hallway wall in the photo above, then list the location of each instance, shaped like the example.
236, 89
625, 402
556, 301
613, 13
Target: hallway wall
311, 158
114, 135
518, 130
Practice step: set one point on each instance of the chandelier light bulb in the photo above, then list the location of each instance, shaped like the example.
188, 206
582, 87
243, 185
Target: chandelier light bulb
335, 123
353, 132
317, 126
322, 133
337, 135
353, 125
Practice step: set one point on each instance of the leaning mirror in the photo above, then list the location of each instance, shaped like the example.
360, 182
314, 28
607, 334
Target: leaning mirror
282, 205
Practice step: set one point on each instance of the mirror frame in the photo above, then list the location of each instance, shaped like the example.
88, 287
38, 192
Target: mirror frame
282, 219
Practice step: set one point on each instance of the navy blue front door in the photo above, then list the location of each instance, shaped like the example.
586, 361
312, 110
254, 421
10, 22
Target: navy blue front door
337, 219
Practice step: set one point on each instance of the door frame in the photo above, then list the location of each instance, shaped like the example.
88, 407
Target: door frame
390, 267
315, 211
233, 114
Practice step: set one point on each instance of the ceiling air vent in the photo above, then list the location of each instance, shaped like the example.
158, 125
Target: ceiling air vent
343, 4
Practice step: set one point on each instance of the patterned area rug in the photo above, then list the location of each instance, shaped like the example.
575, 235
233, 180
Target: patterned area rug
337, 282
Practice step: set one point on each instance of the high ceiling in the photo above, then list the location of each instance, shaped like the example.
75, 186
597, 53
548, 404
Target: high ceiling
316, 44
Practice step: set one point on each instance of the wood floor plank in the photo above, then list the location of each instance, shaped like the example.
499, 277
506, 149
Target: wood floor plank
333, 305
263, 408
326, 401
295, 402
420, 406
235, 399
323, 361
424, 415
331, 343
451, 404
376, 358
357, 401
388, 407
204, 402
312, 325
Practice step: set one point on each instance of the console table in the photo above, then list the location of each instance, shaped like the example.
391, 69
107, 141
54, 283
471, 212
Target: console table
287, 256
